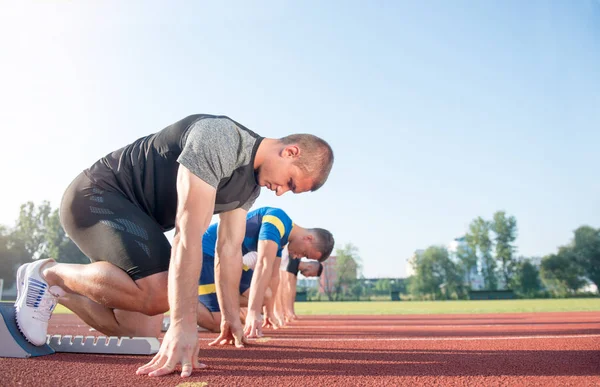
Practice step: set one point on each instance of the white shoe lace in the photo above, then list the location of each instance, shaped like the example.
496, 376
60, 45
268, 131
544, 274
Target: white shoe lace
46, 307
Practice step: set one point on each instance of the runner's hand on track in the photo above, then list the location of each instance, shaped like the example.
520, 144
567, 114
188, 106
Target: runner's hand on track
230, 334
280, 320
271, 322
253, 326
178, 347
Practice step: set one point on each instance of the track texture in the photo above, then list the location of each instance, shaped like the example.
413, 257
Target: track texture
549, 349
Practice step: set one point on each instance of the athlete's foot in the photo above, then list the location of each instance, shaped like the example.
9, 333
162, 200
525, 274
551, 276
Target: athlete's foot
35, 301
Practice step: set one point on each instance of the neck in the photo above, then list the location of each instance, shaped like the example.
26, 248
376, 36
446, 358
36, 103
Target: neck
297, 232
267, 146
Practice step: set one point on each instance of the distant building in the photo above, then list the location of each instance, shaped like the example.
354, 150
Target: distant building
409, 269
328, 276
474, 276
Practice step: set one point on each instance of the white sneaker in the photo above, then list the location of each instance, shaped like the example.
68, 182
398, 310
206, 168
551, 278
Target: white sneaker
35, 302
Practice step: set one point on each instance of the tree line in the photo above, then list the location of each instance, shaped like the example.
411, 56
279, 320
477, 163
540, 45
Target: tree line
37, 234
488, 251
483, 259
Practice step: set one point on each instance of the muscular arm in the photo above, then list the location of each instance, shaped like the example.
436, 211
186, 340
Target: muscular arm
290, 295
270, 302
267, 252
279, 310
228, 263
195, 206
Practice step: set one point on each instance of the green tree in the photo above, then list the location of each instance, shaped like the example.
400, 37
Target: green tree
479, 236
39, 231
382, 286
347, 268
586, 252
505, 229
12, 255
435, 271
467, 260
560, 273
527, 279
356, 289
30, 229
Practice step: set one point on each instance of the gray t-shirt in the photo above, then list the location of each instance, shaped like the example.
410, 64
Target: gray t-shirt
217, 149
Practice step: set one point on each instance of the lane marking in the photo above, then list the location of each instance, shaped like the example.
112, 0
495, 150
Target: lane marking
330, 327
428, 338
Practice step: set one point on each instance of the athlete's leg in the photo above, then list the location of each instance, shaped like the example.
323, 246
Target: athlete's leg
244, 298
129, 251
138, 324
112, 322
208, 319
130, 256
110, 286
209, 315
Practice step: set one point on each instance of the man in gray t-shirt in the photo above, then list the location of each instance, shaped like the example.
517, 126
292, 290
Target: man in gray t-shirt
117, 211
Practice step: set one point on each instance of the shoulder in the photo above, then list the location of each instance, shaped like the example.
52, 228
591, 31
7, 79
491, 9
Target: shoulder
277, 213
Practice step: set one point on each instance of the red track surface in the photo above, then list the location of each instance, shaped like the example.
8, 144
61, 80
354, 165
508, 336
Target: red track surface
549, 349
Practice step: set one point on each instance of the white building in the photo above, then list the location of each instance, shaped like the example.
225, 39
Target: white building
474, 275
409, 269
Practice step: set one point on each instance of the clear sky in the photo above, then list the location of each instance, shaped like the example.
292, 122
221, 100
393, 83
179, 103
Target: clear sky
437, 111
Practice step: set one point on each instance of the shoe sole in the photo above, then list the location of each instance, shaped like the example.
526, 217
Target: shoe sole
21, 290
20, 279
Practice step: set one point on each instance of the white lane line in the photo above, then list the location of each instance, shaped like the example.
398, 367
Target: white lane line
330, 327
273, 338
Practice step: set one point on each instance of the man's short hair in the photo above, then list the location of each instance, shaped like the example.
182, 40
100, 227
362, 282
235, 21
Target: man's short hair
323, 242
316, 156
320, 269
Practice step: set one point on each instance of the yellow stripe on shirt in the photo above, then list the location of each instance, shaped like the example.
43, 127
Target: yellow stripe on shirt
206, 289
275, 221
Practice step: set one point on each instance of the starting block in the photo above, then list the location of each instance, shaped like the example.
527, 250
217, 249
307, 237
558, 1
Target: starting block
104, 345
167, 321
13, 342
15, 345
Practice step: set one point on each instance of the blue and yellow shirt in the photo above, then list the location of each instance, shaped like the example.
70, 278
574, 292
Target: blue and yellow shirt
265, 223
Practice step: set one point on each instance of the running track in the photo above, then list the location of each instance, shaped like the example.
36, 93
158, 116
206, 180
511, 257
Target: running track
542, 349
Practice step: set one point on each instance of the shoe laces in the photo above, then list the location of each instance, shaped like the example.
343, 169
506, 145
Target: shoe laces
46, 307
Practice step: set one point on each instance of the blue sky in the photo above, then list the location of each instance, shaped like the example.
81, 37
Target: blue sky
438, 112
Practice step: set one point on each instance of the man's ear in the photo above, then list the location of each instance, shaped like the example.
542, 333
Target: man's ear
308, 237
292, 151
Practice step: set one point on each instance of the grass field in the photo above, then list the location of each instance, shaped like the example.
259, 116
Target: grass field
440, 307
449, 307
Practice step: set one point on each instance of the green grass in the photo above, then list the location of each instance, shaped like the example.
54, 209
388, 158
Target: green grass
439, 307
448, 307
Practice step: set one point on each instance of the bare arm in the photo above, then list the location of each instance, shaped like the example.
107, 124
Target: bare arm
228, 270
270, 317
195, 206
267, 252
279, 310
291, 295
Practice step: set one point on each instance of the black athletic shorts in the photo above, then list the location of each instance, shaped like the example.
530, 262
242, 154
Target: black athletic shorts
106, 226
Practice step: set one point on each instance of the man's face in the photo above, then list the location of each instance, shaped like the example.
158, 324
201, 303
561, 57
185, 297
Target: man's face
304, 248
279, 174
310, 270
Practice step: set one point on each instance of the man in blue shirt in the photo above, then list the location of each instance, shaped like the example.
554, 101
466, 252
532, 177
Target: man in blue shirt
268, 231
